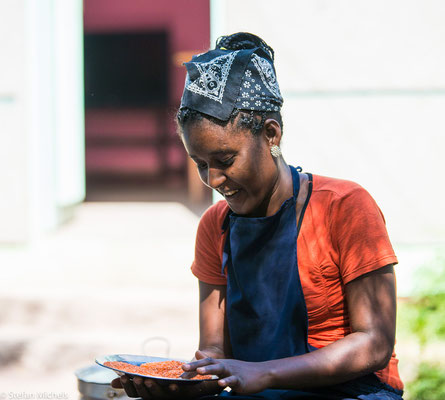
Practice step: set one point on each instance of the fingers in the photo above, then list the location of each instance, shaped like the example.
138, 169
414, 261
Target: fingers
173, 390
128, 386
231, 381
200, 389
116, 383
149, 389
141, 388
188, 375
173, 387
200, 359
209, 387
157, 391
213, 369
192, 366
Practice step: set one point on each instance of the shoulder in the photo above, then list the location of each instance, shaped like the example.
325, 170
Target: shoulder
337, 187
210, 224
215, 214
358, 237
342, 199
335, 192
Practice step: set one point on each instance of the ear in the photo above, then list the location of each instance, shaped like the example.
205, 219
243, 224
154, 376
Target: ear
272, 132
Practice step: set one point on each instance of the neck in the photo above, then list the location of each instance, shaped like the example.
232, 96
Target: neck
282, 190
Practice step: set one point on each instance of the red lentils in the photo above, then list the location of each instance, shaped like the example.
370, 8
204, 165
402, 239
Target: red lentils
162, 369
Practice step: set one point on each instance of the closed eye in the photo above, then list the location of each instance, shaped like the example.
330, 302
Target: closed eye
227, 161
218, 163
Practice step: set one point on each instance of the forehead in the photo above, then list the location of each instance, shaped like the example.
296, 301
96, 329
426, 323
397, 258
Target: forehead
207, 137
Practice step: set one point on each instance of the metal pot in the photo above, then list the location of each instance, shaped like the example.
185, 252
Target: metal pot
94, 383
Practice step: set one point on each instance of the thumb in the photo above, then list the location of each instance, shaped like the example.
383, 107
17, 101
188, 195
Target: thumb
199, 355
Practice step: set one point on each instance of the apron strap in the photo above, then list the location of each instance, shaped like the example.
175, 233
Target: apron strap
295, 181
306, 202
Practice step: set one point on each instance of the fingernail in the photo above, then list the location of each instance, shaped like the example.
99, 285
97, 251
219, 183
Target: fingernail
174, 388
124, 379
201, 370
186, 366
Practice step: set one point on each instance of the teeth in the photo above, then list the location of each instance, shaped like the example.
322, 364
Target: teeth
231, 193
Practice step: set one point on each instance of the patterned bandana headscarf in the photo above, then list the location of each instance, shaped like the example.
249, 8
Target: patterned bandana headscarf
220, 80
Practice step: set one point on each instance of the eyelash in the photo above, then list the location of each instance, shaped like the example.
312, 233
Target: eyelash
225, 163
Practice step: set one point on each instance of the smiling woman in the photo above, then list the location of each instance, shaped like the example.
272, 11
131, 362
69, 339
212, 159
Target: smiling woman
297, 292
235, 163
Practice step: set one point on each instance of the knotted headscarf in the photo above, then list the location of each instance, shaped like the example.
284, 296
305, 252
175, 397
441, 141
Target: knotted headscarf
221, 80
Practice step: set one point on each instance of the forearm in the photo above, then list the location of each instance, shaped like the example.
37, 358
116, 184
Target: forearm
355, 355
371, 303
213, 330
216, 345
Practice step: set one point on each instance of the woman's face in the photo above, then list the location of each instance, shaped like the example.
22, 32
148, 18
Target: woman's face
234, 162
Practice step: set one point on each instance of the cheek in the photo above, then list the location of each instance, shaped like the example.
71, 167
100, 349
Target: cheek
252, 174
263, 172
202, 175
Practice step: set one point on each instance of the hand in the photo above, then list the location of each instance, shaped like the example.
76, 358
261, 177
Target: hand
241, 376
150, 389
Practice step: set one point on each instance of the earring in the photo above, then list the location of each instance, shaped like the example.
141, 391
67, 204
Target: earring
275, 151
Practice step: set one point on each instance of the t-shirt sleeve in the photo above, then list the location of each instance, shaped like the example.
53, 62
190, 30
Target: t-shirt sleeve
359, 235
208, 247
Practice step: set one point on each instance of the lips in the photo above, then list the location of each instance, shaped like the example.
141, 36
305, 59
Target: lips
229, 193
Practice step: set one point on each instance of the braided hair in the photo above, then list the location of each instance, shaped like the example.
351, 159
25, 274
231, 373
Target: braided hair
252, 120
243, 41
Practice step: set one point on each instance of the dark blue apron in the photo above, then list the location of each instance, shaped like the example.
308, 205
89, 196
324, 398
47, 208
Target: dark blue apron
265, 306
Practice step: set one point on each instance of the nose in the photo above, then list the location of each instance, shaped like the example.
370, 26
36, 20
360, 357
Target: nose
215, 178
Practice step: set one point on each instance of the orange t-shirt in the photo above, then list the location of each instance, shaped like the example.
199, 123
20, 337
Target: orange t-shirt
342, 237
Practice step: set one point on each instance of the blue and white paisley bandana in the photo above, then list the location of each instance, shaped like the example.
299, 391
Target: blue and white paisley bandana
220, 80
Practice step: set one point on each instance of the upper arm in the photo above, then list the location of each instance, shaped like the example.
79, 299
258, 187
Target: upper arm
213, 332
359, 234
366, 259
371, 302
207, 264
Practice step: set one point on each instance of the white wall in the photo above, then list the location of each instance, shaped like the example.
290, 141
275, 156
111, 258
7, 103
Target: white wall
13, 150
364, 89
41, 114
69, 107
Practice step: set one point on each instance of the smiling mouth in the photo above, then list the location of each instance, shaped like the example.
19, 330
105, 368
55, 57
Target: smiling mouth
230, 193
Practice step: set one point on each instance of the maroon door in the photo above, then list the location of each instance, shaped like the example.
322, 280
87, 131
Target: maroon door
133, 85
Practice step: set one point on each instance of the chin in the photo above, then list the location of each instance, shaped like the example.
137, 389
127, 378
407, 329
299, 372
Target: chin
236, 208
241, 209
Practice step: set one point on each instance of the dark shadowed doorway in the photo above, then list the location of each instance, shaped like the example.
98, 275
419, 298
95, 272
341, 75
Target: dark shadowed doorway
133, 55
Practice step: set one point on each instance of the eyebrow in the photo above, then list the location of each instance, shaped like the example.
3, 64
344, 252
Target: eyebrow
218, 152
215, 153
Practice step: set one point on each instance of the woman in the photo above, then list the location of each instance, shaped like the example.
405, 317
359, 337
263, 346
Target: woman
297, 292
